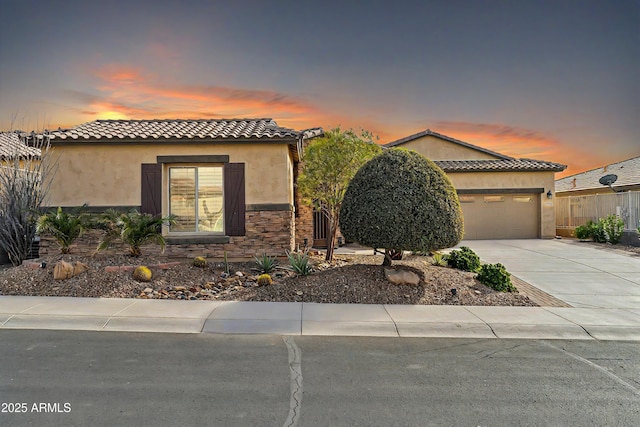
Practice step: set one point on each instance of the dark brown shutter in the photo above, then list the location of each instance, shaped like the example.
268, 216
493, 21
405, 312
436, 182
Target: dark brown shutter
151, 198
234, 204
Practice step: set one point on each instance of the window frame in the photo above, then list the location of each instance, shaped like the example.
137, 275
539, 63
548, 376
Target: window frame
196, 166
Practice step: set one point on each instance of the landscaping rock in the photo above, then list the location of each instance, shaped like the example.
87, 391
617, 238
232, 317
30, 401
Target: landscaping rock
62, 270
401, 277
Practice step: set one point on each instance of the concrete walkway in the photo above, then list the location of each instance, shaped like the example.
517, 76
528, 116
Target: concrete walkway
602, 286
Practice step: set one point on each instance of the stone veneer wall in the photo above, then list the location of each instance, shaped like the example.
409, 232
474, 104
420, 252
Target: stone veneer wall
304, 225
271, 232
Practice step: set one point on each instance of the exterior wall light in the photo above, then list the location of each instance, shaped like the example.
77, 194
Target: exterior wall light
549, 194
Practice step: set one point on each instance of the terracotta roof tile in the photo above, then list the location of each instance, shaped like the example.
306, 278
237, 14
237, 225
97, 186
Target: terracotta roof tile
503, 165
627, 171
12, 143
215, 129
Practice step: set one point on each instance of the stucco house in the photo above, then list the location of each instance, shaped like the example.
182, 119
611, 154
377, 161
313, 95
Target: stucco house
627, 173
13, 144
229, 183
583, 197
501, 197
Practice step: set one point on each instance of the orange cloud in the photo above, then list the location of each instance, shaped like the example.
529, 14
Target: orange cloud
510, 140
141, 95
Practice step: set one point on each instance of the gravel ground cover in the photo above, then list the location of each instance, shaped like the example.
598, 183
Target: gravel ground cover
349, 279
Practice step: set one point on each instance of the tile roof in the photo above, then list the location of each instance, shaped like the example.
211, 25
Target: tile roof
628, 172
502, 165
180, 129
429, 132
12, 143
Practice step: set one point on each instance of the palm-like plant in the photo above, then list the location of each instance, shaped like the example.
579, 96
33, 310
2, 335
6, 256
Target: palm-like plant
134, 229
64, 227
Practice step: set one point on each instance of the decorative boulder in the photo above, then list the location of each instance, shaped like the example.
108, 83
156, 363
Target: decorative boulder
401, 277
79, 268
62, 270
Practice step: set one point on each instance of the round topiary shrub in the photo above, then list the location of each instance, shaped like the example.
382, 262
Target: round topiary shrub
496, 277
142, 274
400, 200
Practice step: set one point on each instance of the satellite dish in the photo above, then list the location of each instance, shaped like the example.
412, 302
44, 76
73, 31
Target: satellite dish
608, 180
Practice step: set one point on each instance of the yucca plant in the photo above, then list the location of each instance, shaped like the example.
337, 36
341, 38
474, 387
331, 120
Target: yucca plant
134, 229
266, 264
299, 261
63, 226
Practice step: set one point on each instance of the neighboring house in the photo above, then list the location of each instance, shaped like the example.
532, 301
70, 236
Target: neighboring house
229, 183
627, 174
583, 198
501, 197
13, 144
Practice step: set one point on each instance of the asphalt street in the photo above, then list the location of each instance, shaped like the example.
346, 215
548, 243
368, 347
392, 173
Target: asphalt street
75, 378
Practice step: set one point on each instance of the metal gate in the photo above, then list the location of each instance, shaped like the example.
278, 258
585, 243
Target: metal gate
320, 229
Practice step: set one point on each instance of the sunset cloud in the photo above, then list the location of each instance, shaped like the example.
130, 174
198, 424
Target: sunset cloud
519, 142
135, 93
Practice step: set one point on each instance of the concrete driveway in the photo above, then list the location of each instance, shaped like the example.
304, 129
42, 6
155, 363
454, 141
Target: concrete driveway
579, 274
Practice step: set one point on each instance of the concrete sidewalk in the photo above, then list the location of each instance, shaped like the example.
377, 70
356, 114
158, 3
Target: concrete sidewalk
602, 287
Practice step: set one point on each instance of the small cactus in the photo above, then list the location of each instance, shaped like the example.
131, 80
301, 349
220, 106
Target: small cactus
142, 274
199, 262
264, 280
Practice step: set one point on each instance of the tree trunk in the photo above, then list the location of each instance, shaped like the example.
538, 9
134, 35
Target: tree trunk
331, 239
387, 258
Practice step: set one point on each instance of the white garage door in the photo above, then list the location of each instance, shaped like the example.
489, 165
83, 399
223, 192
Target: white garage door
501, 216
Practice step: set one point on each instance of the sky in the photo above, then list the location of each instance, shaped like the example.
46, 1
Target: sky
555, 80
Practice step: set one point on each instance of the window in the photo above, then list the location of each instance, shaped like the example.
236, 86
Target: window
522, 199
493, 199
196, 199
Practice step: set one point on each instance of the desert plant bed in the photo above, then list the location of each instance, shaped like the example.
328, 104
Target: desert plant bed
352, 279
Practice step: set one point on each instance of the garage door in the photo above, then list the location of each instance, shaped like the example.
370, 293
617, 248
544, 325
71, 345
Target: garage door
501, 216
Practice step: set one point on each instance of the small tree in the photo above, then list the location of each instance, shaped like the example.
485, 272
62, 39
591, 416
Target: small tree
400, 200
25, 178
330, 163
63, 226
134, 229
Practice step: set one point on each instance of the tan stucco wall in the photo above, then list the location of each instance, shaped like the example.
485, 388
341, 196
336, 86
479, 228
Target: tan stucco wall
513, 180
438, 149
109, 175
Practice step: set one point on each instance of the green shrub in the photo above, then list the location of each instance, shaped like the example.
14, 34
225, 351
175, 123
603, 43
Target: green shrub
612, 228
266, 264
134, 229
583, 232
299, 261
400, 200
464, 259
496, 277
596, 230
64, 227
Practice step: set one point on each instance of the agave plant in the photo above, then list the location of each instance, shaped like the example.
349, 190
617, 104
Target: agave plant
134, 229
266, 264
64, 227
